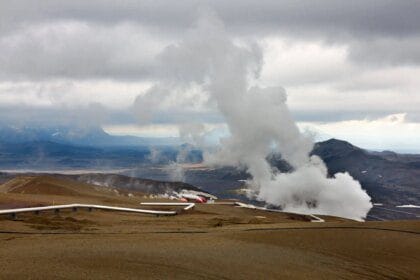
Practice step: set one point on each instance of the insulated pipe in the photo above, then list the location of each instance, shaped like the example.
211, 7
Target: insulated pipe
315, 219
188, 205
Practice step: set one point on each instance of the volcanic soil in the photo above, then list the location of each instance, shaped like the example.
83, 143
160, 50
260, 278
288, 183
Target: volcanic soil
212, 241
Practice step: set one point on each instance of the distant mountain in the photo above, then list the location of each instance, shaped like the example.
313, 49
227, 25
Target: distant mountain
52, 155
45, 155
387, 176
75, 147
85, 136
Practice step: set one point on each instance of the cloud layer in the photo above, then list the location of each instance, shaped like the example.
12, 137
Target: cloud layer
338, 60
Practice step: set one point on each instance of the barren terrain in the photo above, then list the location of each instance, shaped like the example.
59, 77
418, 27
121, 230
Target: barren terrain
212, 241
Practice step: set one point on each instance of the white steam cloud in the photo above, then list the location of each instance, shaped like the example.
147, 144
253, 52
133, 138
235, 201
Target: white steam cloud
259, 123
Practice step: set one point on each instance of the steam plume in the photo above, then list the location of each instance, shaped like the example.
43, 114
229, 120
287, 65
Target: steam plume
259, 123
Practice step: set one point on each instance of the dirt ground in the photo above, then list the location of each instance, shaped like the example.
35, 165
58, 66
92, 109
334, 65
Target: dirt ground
204, 245
208, 242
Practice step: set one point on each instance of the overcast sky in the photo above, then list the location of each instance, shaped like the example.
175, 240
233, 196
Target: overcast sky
351, 69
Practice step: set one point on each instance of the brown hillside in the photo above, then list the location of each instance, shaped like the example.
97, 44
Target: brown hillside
48, 185
38, 190
211, 241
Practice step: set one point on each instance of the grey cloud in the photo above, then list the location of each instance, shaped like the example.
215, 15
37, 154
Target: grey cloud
36, 43
413, 117
354, 17
335, 115
385, 51
95, 114
91, 115
76, 50
111, 42
152, 107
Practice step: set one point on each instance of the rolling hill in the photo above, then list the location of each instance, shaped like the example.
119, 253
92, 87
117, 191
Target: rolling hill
211, 241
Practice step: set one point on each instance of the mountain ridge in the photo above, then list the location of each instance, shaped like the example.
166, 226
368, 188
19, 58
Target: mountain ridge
93, 136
